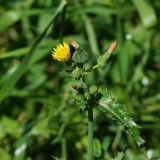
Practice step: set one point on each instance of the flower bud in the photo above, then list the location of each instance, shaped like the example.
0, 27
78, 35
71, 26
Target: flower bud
103, 59
87, 95
93, 90
76, 73
74, 44
74, 86
112, 47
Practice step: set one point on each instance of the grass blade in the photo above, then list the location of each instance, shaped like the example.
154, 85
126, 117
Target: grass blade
9, 84
146, 13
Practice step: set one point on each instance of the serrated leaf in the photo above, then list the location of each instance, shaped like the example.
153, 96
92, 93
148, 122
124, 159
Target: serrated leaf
108, 103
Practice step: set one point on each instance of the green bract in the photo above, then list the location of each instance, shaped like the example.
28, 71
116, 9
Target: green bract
80, 56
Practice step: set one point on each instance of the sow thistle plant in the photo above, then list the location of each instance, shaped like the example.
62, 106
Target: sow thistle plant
93, 97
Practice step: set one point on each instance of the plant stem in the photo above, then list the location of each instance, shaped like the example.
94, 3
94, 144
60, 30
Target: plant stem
64, 149
90, 134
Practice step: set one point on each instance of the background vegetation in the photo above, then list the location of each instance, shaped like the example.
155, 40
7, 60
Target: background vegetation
37, 120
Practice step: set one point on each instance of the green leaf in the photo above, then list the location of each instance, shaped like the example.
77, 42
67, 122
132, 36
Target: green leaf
14, 53
105, 143
12, 16
5, 154
9, 18
20, 151
119, 156
9, 126
96, 148
99, 11
146, 12
91, 36
40, 128
108, 103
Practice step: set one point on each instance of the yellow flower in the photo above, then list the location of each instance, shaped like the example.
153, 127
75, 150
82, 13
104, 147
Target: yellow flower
62, 52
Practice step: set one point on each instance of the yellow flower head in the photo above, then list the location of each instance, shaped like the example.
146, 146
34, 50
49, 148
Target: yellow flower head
62, 52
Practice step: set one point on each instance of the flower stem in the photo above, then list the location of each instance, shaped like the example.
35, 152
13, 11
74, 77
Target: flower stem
64, 149
90, 134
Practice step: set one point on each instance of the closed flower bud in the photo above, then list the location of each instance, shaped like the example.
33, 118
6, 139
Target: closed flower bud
93, 90
103, 59
74, 86
76, 73
112, 47
74, 44
87, 95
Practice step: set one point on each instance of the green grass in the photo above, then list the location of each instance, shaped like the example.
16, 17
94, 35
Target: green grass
38, 119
